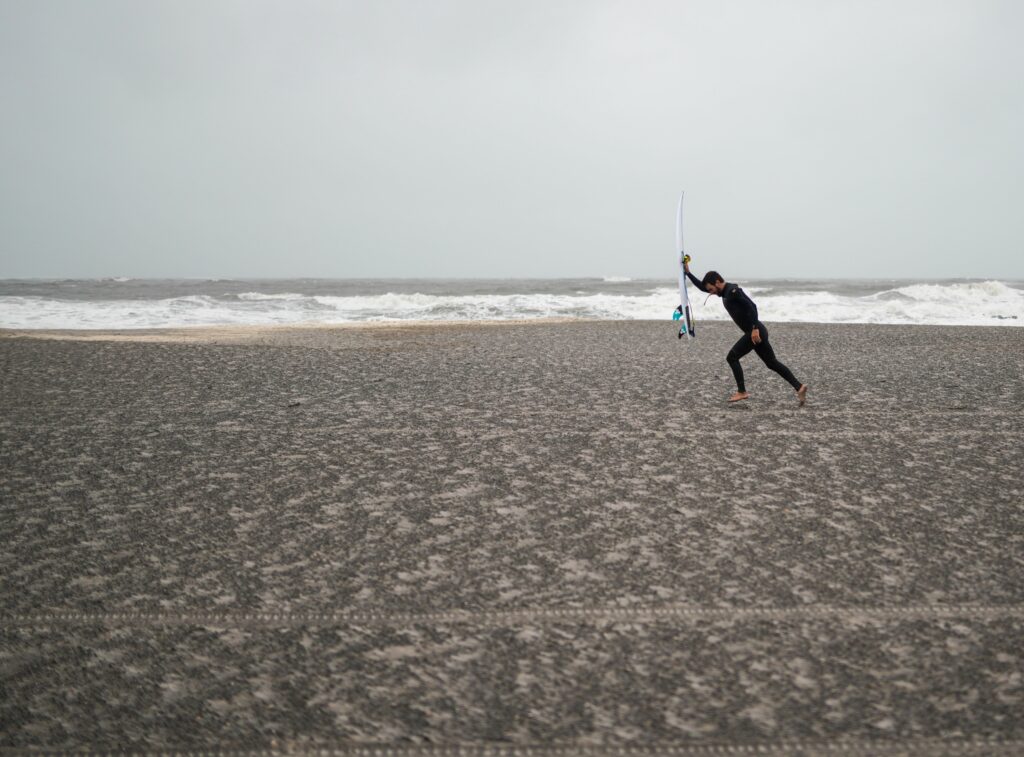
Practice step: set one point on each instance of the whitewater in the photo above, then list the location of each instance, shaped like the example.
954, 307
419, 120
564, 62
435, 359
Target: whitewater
124, 303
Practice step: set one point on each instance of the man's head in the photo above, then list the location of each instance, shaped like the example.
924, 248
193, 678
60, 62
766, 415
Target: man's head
713, 283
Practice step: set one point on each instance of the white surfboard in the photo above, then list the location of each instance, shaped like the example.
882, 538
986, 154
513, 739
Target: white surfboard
684, 314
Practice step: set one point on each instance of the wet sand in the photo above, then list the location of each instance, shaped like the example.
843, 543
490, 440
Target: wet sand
527, 538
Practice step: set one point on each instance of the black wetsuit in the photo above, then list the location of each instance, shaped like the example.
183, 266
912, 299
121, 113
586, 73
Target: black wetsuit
744, 313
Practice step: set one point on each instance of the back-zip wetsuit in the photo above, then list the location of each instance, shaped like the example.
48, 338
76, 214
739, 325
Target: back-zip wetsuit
744, 313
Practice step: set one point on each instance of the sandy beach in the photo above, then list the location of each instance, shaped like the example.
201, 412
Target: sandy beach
529, 538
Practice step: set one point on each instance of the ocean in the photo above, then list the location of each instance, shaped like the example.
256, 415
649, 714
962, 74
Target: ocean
122, 303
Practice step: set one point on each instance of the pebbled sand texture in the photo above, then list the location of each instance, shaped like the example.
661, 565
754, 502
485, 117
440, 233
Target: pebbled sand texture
527, 538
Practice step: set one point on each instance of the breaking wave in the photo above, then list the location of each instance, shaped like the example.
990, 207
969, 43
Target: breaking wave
963, 303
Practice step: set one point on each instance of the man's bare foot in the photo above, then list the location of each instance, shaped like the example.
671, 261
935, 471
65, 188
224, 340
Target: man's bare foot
739, 396
801, 394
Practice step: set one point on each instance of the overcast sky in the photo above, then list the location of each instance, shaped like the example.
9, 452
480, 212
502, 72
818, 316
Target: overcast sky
208, 138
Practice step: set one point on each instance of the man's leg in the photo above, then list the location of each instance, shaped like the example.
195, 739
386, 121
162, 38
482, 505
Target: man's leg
767, 354
741, 348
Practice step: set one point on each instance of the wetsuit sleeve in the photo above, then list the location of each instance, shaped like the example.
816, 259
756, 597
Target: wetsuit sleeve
742, 309
695, 280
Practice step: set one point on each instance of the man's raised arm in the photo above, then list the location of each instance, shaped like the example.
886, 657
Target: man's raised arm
696, 282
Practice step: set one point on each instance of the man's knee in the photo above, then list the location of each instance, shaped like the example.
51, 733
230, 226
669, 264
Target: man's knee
733, 356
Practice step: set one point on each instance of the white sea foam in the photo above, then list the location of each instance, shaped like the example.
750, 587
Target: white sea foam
988, 303
259, 296
977, 303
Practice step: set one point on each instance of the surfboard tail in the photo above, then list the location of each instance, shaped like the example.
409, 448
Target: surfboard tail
686, 327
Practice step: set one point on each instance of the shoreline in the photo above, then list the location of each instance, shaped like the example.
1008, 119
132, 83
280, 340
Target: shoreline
248, 332
200, 334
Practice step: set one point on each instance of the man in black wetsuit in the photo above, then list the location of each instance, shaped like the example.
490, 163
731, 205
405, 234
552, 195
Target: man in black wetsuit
755, 335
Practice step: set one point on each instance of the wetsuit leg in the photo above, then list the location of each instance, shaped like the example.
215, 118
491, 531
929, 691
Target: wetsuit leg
767, 354
741, 348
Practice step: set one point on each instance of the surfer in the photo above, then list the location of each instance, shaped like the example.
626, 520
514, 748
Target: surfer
755, 334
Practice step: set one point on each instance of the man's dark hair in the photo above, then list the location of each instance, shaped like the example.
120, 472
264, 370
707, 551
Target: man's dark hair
711, 277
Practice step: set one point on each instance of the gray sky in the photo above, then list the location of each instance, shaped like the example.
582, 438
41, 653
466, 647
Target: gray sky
208, 138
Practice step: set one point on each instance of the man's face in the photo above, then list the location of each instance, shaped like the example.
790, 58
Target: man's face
716, 288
